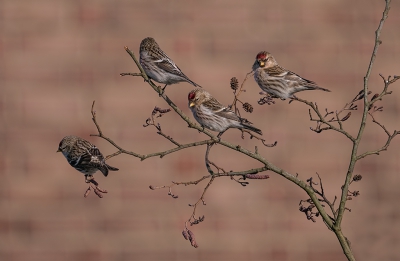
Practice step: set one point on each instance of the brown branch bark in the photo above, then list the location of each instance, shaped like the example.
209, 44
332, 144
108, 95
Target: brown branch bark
333, 223
214, 139
337, 228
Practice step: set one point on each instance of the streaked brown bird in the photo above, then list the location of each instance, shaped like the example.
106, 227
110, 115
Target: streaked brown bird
83, 156
211, 114
277, 81
158, 66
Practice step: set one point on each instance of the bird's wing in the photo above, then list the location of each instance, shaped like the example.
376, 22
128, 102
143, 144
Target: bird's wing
228, 113
83, 160
162, 60
220, 110
165, 63
291, 76
169, 66
89, 155
278, 71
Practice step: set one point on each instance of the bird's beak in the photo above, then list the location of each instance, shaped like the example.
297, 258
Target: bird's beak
191, 104
261, 63
58, 150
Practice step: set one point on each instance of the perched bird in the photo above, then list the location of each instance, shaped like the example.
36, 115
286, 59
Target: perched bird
83, 156
158, 66
277, 81
211, 114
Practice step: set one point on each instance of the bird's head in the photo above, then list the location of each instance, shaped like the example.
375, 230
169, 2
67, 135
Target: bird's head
264, 60
148, 43
65, 144
197, 96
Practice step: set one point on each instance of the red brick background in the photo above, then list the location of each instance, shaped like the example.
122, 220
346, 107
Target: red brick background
58, 56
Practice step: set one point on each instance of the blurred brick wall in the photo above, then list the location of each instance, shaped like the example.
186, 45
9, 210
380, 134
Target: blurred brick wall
58, 56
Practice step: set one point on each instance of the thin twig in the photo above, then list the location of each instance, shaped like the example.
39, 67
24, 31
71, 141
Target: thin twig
353, 158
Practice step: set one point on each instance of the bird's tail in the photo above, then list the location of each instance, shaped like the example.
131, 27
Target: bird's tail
249, 127
319, 88
105, 168
193, 83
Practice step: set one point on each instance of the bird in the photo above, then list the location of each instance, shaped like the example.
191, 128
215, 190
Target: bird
158, 66
277, 81
211, 114
83, 156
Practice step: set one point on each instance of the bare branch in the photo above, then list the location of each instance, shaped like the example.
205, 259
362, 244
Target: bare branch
322, 120
317, 197
252, 135
157, 113
137, 155
321, 193
353, 159
237, 91
216, 140
383, 148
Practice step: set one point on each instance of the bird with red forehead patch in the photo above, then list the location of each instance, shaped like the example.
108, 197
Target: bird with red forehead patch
277, 81
211, 114
158, 66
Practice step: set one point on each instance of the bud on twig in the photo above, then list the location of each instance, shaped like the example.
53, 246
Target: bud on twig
192, 239
345, 118
185, 234
234, 83
357, 178
87, 192
375, 96
248, 107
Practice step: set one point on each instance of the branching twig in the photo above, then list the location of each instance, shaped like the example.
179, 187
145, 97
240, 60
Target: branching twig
236, 92
322, 121
214, 139
252, 135
157, 113
321, 193
328, 120
353, 158
137, 155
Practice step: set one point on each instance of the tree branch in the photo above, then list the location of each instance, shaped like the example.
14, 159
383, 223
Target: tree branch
316, 197
353, 159
321, 120
137, 155
215, 139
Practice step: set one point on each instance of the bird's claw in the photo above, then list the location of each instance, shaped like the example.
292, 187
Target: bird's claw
217, 140
162, 90
293, 98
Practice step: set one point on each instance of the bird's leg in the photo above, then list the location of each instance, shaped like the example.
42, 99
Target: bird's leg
202, 129
219, 136
93, 185
162, 90
293, 98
